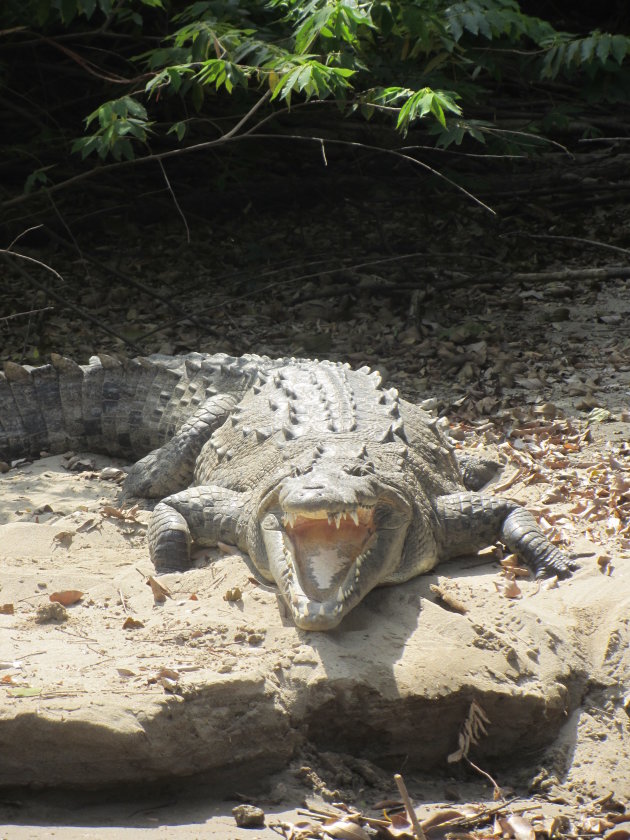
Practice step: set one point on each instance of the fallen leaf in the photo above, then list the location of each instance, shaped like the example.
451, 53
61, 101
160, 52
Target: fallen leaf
117, 513
168, 673
160, 593
400, 827
441, 817
64, 538
7, 609
27, 691
521, 828
234, 594
509, 589
88, 525
67, 597
345, 829
595, 825
598, 415
132, 623
619, 832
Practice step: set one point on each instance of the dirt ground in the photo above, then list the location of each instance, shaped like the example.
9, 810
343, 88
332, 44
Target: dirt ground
536, 369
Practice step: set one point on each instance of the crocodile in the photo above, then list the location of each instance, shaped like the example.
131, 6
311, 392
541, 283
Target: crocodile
330, 482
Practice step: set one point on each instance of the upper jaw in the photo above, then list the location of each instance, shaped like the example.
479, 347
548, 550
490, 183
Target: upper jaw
325, 561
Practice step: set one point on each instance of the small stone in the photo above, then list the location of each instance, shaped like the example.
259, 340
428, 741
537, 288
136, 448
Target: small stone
255, 639
248, 816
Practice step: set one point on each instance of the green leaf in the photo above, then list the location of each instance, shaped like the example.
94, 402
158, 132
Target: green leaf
175, 78
587, 49
26, 691
619, 46
178, 129
603, 47
36, 178
88, 7
68, 10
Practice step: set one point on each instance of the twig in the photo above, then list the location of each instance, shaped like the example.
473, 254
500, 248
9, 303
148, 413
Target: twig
379, 150
580, 239
497, 790
175, 201
564, 274
413, 819
231, 137
23, 314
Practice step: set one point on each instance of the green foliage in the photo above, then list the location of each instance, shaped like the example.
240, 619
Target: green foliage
567, 55
159, 66
118, 121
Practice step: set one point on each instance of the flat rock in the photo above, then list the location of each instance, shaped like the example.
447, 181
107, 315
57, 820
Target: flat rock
201, 684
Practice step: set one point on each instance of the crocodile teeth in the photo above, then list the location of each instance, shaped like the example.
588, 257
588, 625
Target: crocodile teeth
355, 517
338, 519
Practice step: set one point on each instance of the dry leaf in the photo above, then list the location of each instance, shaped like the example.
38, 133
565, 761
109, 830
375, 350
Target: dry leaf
130, 515
521, 828
345, 829
234, 594
88, 525
7, 609
509, 589
619, 832
64, 538
472, 730
67, 597
160, 593
132, 623
595, 825
441, 817
400, 827
28, 691
169, 673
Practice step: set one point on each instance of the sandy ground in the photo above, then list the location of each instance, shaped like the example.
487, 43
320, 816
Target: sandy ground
61, 533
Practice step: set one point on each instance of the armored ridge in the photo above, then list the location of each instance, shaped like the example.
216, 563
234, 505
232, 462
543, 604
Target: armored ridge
332, 484
124, 408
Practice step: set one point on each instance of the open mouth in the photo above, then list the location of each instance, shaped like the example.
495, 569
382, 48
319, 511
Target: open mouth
326, 545
325, 561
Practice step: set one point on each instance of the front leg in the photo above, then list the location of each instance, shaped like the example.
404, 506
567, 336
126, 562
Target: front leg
204, 515
470, 521
171, 467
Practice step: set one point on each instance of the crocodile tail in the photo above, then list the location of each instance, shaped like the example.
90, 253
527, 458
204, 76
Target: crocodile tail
121, 408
